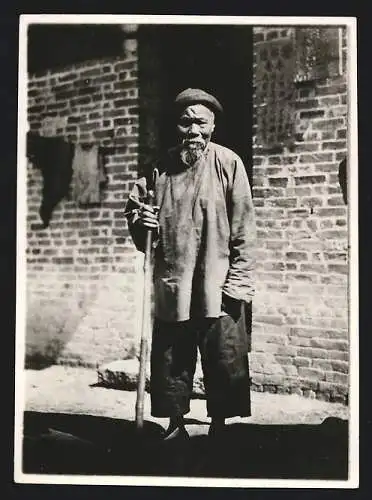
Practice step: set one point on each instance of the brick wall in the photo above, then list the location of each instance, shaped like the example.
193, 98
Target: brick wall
301, 311
82, 283
83, 272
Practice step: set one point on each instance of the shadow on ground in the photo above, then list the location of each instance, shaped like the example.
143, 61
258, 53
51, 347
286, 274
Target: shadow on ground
82, 444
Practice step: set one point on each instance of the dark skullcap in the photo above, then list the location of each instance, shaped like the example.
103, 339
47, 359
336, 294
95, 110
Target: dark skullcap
190, 96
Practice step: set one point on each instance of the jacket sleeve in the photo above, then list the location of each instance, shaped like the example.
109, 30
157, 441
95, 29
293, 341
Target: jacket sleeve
137, 232
239, 282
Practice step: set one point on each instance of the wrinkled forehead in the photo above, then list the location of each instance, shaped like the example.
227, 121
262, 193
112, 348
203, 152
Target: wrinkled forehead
197, 111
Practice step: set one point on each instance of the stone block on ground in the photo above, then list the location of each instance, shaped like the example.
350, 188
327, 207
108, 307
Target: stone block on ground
123, 374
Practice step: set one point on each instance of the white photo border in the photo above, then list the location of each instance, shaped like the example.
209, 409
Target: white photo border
350, 24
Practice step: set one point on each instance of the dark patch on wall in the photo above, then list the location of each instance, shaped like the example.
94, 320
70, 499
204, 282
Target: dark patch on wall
59, 45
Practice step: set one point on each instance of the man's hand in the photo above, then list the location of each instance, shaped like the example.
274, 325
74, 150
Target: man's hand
231, 306
148, 216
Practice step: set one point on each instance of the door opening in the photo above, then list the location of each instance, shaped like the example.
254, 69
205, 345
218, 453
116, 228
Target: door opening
217, 59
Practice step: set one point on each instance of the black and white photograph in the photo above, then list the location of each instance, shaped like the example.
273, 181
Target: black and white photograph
187, 251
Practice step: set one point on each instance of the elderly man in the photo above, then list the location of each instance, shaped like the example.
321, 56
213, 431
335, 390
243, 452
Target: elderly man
204, 233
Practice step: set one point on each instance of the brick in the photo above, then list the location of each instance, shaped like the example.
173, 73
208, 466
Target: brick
301, 277
269, 213
287, 350
300, 361
278, 181
90, 126
123, 85
275, 160
96, 71
309, 179
334, 145
312, 201
308, 104
272, 34
282, 202
325, 343
258, 160
336, 377
56, 106
285, 360
267, 319
316, 113
125, 65
297, 256
332, 387
134, 110
341, 134
337, 111
330, 101
303, 332
328, 124
341, 328
300, 342
340, 155
338, 268
88, 91
330, 212
306, 93
327, 167
316, 158
278, 287
81, 101
62, 260
313, 268
267, 193
125, 121
337, 201
301, 191
291, 267
334, 234
335, 255
322, 364
274, 266
107, 78
290, 159
311, 373
328, 134
331, 89
121, 103
299, 212
307, 147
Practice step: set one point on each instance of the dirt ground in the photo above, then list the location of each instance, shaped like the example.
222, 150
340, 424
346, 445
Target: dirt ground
61, 389
74, 426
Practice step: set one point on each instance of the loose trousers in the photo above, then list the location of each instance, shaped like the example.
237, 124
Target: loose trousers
223, 346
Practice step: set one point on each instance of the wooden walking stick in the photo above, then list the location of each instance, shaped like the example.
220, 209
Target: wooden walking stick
146, 319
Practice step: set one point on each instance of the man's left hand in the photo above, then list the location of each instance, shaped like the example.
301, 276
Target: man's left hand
231, 306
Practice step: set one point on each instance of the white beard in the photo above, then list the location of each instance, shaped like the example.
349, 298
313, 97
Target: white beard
190, 153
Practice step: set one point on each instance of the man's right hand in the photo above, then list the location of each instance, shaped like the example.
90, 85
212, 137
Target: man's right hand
148, 217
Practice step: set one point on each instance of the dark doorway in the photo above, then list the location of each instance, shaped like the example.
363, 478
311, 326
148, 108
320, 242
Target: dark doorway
217, 59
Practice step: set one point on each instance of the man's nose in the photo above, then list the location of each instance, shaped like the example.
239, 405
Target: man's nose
194, 129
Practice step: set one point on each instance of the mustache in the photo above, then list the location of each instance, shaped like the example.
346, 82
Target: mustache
193, 142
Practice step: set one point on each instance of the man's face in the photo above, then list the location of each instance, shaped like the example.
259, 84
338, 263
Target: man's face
195, 127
